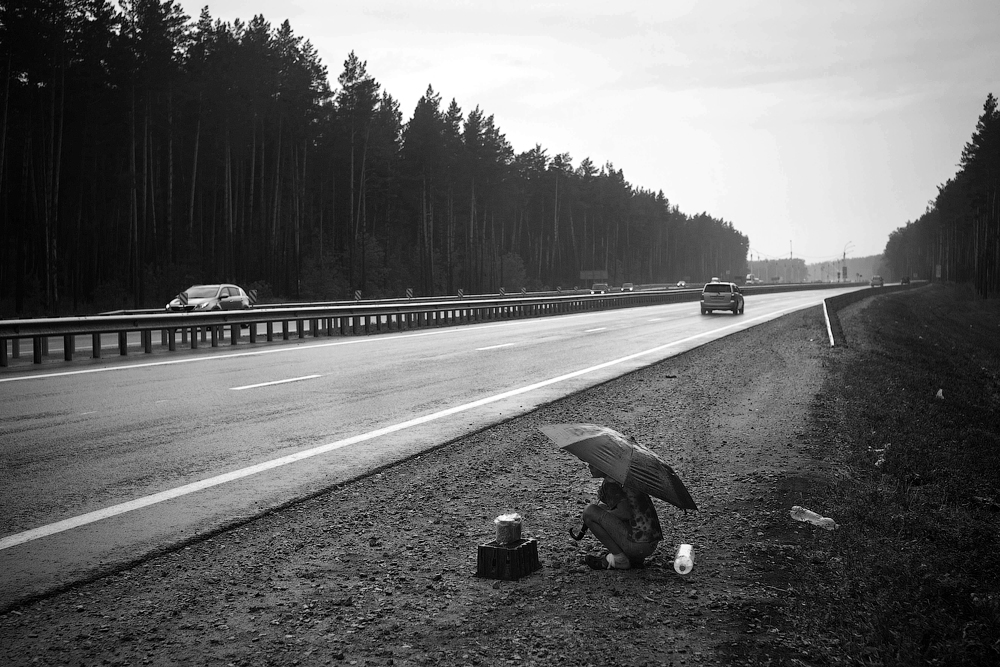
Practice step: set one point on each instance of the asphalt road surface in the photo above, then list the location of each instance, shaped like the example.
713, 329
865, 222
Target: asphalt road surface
105, 464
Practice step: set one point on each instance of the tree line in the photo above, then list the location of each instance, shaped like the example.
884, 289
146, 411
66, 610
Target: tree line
142, 151
958, 236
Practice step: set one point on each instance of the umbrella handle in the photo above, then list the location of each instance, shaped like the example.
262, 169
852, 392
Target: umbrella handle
578, 536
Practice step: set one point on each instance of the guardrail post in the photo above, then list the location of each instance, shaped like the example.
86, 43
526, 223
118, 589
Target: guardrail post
3, 353
355, 325
253, 332
270, 331
15, 348
95, 345
68, 340
300, 329
234, 333
215, 336
195, 332
171, 339
284, 330
164, 339
36, 350
146, 336
123, 343
184, 335
314, 327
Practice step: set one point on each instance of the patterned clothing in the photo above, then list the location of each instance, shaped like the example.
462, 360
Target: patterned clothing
643, 522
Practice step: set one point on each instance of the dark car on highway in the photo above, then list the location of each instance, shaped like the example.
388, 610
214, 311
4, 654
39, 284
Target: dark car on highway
721, 296
203, 298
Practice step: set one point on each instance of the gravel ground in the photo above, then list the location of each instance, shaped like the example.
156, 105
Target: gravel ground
382, 571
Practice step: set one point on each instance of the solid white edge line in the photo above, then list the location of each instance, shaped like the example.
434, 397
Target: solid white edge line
145, 501
268, 384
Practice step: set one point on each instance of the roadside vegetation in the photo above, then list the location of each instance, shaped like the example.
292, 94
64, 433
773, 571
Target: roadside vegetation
909, 419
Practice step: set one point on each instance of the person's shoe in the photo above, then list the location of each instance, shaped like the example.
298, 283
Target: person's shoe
597, 562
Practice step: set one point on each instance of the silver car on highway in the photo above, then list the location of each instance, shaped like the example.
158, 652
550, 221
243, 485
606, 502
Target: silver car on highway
201, 298
721, 296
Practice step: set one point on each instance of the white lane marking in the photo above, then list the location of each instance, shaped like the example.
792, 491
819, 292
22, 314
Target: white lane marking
655, 319
493, 347
145, 501
593, 330
268, 384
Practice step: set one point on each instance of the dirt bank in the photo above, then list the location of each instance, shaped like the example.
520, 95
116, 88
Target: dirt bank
382, 571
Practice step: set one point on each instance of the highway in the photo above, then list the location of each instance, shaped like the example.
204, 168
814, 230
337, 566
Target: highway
104, 464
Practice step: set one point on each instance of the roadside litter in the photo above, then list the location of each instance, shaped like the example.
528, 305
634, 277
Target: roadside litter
684, 560
808, 516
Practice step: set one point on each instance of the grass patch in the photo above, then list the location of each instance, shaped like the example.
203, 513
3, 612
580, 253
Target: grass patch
910, 413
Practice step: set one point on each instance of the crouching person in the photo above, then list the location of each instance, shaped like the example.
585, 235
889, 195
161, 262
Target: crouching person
625, 522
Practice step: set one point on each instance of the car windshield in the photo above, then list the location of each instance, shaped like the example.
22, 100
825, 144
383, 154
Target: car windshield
717, 287
202, 291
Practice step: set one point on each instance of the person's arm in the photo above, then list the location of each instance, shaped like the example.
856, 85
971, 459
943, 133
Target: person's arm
622, 509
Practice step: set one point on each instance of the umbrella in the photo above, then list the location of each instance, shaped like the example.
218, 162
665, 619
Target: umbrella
623, 460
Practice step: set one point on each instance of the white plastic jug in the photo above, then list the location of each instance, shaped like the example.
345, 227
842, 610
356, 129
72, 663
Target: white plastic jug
684, 560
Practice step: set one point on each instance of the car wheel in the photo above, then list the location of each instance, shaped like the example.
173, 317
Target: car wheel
741, 308
704, 311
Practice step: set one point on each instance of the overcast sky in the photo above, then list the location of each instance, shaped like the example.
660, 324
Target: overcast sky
810, 126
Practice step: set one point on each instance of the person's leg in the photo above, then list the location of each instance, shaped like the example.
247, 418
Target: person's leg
611, 532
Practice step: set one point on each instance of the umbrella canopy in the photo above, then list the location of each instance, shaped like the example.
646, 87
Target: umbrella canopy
623, 460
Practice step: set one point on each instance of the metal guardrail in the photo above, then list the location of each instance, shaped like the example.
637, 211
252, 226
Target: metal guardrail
321, 320
834, 304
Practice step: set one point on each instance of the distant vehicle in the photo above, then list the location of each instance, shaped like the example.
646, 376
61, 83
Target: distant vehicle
905, 280
681, 283
722, 296
628, 287
877, 281
202, 298
752, 279
599, 288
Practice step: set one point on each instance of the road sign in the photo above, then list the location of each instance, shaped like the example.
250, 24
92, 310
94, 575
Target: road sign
253, 296
357, 295
524, 291
183, 296
461, 293
502, 292
409, 292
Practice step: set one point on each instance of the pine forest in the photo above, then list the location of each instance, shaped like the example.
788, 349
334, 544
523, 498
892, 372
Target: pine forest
142, 151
